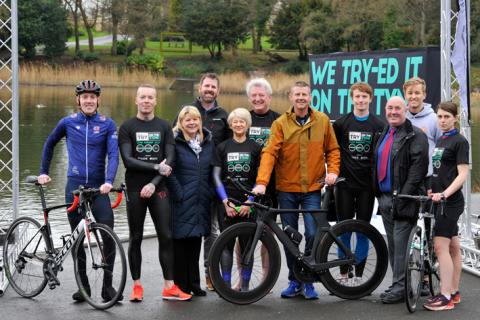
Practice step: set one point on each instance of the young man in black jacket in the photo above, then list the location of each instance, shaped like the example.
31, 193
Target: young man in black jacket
400, 165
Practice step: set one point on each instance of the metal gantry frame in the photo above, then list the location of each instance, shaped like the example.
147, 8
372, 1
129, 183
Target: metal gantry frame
451, 91
9, 139
9, 130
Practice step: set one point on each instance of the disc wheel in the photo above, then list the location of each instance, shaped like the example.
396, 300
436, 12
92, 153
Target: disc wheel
366, 272
243, 284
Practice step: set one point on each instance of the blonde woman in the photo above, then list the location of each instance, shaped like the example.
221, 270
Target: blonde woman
191, 194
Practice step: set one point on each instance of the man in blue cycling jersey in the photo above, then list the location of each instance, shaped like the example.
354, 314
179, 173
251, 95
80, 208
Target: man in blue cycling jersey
91, 137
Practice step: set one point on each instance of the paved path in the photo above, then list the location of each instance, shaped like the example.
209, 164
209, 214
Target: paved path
96, 41
57, 304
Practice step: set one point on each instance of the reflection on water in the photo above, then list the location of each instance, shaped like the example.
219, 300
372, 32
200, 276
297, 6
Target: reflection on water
40, 110
42, 107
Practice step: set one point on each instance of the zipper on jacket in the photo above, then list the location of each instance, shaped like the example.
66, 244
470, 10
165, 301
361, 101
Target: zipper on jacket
86, 151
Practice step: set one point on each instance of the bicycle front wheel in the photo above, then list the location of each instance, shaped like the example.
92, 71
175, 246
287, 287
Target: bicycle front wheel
232, 279
414, 269
360, 278
100, 266
24, 255
433, 273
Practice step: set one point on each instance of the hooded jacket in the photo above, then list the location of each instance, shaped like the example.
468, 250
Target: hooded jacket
299, 153
426, 120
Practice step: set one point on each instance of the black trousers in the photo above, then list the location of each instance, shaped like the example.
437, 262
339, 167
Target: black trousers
187, 254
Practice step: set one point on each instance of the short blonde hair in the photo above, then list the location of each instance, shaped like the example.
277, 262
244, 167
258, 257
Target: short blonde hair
194, 113
413, 82
241, 113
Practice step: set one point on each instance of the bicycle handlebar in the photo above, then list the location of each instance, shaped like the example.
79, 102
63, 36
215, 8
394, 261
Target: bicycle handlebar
92, 191
412, 197
241, 187
420, 198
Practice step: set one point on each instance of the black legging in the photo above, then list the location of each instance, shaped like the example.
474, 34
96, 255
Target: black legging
159, 208
354, 203
350, 203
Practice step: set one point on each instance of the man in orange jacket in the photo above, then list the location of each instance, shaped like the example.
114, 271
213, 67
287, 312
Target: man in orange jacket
301, 143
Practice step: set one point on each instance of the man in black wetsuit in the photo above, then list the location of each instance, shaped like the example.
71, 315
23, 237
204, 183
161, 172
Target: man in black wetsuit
147, 149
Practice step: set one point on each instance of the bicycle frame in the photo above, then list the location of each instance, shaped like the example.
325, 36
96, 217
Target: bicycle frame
265, 217
84, 207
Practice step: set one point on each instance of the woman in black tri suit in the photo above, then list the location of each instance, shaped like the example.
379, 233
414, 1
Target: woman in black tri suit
237, 158
450, 162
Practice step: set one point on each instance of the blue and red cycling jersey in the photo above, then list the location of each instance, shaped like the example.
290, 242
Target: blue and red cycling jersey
90, 139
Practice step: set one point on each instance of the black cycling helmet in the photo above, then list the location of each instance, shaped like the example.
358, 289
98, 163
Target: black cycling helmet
87, 86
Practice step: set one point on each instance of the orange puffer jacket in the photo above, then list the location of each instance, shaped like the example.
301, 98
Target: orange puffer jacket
299, 153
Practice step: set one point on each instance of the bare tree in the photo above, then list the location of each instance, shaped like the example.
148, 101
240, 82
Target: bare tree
89, 18
72, 5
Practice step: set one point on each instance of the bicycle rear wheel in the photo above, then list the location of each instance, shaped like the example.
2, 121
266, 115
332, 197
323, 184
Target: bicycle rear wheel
24, 255
414, 269
100, 266
356, 280
237, 283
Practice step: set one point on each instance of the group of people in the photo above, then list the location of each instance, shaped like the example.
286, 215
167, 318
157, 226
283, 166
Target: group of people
183, 175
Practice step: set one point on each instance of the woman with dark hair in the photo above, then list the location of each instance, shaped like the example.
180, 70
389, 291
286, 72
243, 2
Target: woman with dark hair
450, 171
191, 193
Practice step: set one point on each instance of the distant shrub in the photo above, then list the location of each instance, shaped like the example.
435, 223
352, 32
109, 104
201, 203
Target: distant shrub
152, 62
295, 67
125, 47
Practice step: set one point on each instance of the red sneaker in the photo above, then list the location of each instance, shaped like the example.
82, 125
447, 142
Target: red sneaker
456, 297
137, 293
439, 303
174, 293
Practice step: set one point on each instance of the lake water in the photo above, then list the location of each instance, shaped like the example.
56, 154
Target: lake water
42, 107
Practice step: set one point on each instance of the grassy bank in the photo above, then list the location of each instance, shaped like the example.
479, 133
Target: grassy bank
112, 76
232, 80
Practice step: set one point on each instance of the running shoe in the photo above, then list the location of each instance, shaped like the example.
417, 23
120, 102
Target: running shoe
439, 303
174, 293
309, 292
456, 297
294, 289
78, 296
137, 293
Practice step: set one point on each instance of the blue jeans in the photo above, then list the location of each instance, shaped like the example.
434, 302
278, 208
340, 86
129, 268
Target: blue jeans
297, 200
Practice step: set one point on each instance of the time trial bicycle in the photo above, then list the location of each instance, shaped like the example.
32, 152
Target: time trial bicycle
335, 260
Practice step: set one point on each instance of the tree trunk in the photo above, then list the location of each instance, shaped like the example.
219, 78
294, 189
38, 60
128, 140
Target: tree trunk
74, 10
259, 41
423, 21
114, 34
254, 40
88, 27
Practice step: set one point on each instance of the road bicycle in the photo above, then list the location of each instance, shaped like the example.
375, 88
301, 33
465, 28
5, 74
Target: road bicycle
334, 260
31, 260
421, 259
